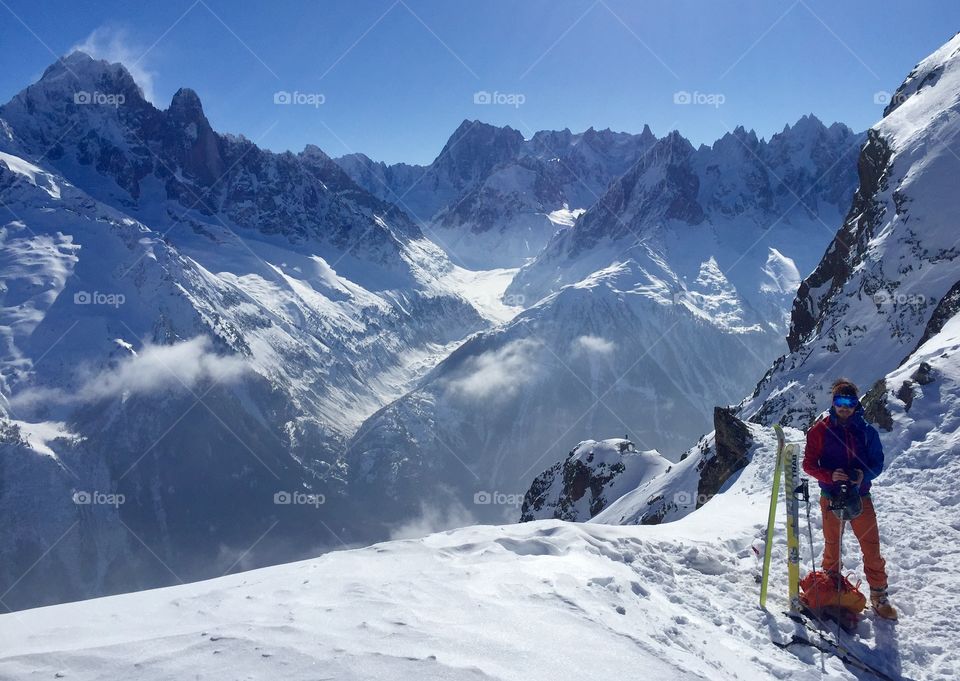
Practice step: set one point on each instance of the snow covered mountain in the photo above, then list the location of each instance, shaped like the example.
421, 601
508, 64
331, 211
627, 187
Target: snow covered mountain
881, 307
190, 330
889, 281
592, 475
492, 198
666, 298
760, 208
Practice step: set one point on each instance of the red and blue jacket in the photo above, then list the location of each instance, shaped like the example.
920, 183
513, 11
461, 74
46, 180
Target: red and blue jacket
849, 446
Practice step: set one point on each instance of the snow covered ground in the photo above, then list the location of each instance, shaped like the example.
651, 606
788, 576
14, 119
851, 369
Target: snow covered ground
543, 600
484, 290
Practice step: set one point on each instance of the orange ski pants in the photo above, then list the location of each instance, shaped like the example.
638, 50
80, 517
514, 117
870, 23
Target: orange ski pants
867, 533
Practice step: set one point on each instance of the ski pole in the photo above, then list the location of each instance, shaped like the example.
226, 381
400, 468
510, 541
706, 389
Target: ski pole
805, 494
843, 527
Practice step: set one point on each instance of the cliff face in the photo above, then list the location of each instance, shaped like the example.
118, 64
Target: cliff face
888, 283
848, 247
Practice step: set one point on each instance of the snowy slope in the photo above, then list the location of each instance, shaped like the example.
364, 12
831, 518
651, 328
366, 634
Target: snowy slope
541, 600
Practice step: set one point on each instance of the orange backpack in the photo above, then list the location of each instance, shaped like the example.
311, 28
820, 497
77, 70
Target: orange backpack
821, 590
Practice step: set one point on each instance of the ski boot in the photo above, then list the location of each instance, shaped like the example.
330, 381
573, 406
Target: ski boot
881, 604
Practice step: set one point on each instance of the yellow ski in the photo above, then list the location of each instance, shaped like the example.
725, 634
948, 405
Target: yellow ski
791, 476
771, 517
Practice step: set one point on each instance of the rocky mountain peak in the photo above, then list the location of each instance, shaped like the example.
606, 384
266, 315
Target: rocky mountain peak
186, 107
78, 72
476, 147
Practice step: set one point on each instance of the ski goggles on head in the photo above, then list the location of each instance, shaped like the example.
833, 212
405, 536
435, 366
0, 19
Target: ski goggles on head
845, 401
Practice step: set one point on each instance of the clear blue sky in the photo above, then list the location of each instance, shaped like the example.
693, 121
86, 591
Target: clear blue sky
397, 77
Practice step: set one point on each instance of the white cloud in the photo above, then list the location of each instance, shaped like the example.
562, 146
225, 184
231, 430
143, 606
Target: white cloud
156, 367
434, 519
593, 345
497, 374
114, 45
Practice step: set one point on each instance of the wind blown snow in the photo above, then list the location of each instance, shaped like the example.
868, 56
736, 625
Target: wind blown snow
115, 45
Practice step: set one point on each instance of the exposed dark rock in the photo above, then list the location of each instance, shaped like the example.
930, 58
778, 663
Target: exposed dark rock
875, 409
924, 375
190, 141
731, 453
818, 290
905, 395
660, 510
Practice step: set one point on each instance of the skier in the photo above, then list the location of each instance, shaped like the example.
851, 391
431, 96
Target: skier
844, 453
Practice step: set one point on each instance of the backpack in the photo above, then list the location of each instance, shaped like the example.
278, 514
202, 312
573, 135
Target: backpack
821, 590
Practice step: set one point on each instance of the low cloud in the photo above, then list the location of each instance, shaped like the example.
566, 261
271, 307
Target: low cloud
594, 345
434, 519
156, 367
498, 374
114, 45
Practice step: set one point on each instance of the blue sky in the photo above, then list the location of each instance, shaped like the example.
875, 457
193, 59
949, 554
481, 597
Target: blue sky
393, 78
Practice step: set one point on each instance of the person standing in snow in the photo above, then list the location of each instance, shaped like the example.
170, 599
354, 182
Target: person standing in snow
844, 451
